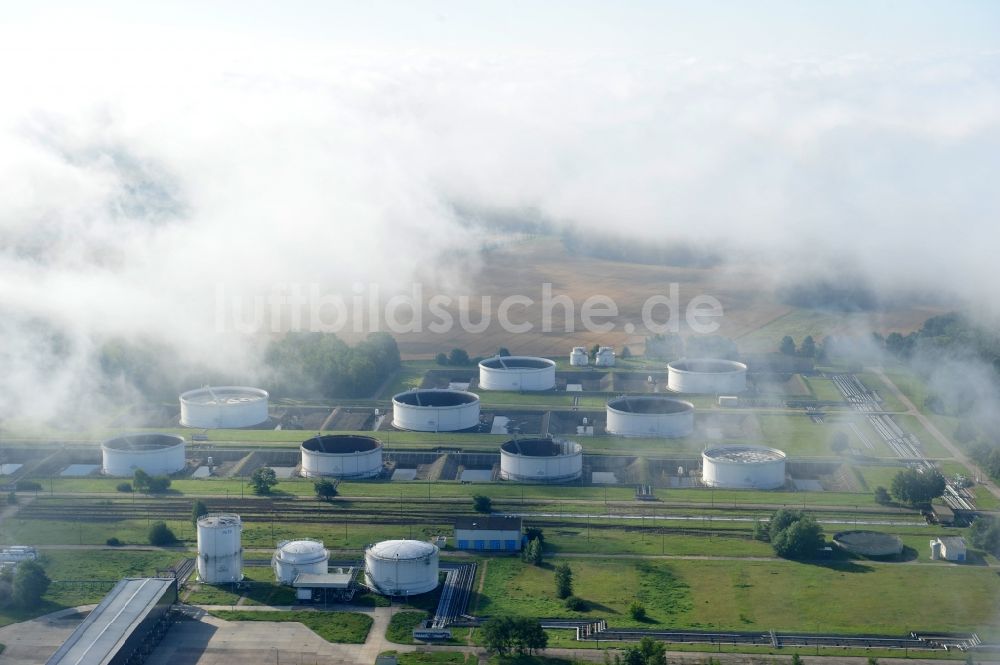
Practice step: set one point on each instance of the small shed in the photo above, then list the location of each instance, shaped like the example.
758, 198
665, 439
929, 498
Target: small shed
488, 532
948, 548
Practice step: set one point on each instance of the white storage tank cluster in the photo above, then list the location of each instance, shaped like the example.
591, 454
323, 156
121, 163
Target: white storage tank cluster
223, 407
579, 357
296, 557
401, 567
743, 467
517, 373
435, 410
605, 357
220, 550
156, 454
707, 376
649, 415
342, 456
541, 460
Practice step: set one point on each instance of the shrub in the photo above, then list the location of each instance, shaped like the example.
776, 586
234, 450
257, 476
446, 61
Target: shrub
28, 486
124, 487
882, 496
576, 604
637, 611
482, 503
564, 581
161, 535
113, 542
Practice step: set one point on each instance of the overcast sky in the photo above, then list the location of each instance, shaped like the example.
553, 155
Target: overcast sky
148, 154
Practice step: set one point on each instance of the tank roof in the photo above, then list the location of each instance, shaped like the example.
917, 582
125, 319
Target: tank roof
540, 447
435, 397
707, 366
517, 362
144, 442
650, 404
223, 395
214, 520
301, 551
402, 549
744, 454
341, 444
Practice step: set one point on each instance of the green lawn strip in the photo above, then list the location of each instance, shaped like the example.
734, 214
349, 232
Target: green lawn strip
823, 389
427, 657
82, 577
566, 639
401, 626
338, 627
839, 597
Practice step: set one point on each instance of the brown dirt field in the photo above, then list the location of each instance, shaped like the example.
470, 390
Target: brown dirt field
523, 268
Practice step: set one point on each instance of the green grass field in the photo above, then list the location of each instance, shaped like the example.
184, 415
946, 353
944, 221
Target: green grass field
79, 575
753, 595
339, 627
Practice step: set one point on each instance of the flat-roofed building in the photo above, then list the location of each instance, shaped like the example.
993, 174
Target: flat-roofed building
488, 532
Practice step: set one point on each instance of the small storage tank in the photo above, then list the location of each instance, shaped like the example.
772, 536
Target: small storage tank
156, 454
401, 567
541, 460
220, 551
223, 407
650, 415
295, 557
605, 357
517, 373
707, 376
743, 467
435, 410
579, 357
341, 456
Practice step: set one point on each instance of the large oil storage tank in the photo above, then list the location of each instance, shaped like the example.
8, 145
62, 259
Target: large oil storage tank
435, 410
649, 415
295, 557
342, 456
541, 460
401, 567
517, 373
220, 550
707, 376
743, 467
223, 407
156, 454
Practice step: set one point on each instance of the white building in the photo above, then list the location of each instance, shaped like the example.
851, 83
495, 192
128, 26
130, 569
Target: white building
488, 532
579, 357
605, 357
948, 548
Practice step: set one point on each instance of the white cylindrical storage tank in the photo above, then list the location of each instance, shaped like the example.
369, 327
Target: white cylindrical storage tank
605, 357
435, 410
401, 567
223, 407
220, 551
743, 467
295, 557
707, 376
541, 460
579, 357
342, 456
650, 415
156, 454
517, 373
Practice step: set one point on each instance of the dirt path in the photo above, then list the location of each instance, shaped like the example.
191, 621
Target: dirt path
956, 452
